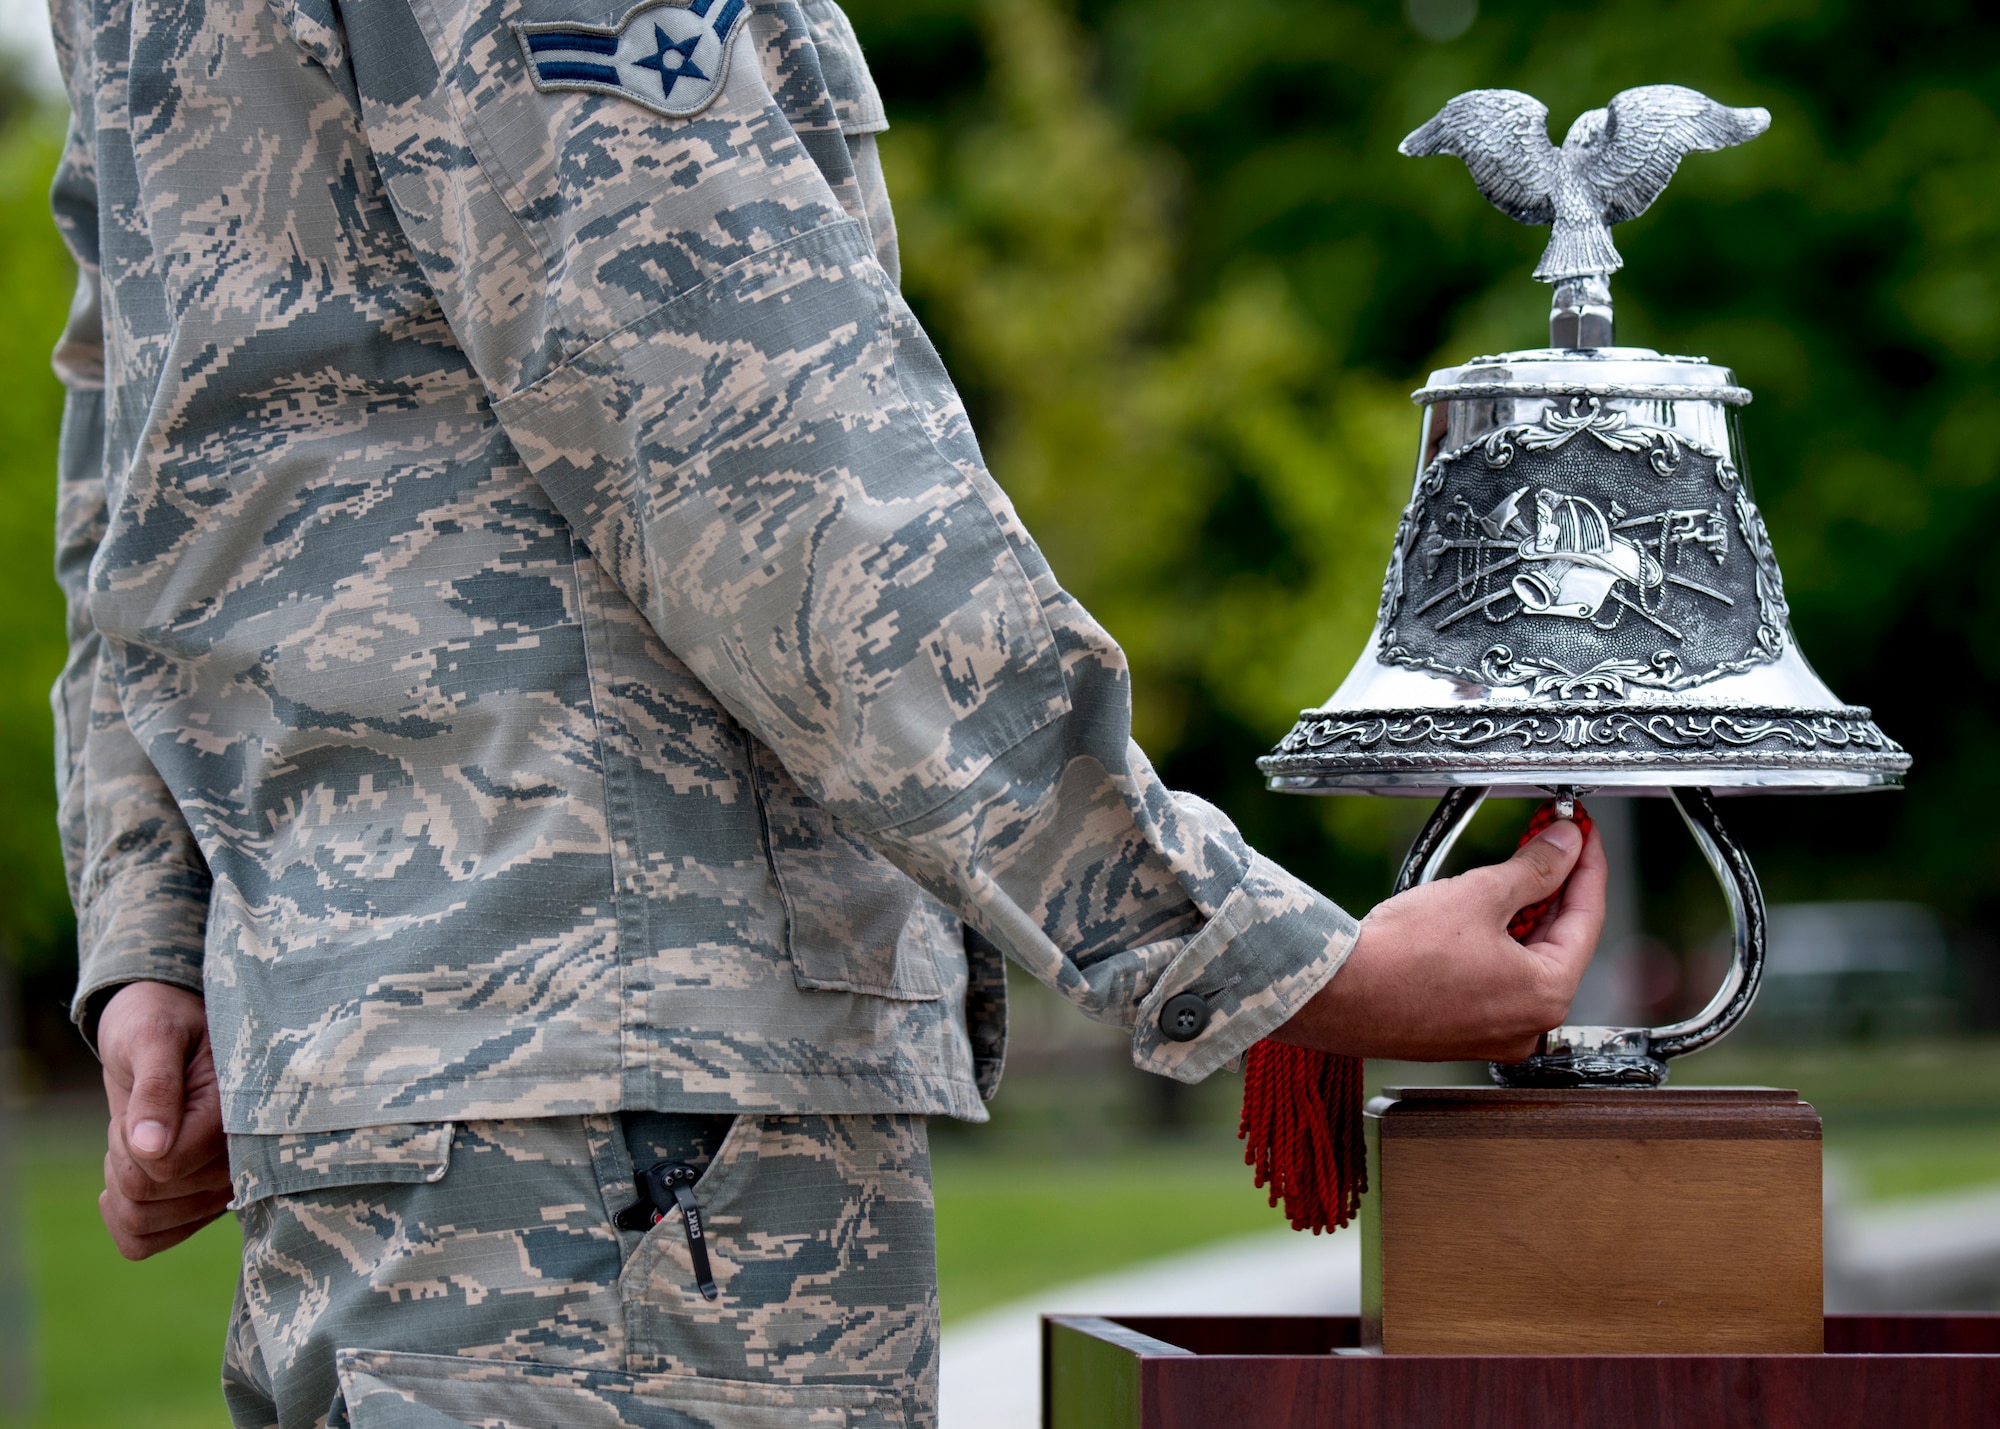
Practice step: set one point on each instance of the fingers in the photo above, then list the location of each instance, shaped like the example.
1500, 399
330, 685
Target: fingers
1434, 976
1572, 935
166, 1171
125, 1175
143, 1228
1536, 870
160, 1078
201, 1138
157, 1068
151, 1205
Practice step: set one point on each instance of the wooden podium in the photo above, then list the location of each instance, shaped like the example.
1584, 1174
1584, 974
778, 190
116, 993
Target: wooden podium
1307, 1372
1645, 1259
1534, 1222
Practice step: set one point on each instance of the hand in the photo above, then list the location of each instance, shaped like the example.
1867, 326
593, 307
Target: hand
1434, 976
166, 1172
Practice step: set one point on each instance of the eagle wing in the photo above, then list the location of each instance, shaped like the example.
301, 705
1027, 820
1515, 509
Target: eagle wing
1503, 136
1648, 132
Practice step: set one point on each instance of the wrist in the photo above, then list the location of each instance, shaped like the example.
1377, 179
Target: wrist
123, 1004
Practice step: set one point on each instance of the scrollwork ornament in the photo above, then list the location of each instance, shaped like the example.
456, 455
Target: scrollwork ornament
1582, 733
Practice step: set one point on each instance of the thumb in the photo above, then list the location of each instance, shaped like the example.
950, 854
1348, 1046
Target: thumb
1539, 866
159, 1091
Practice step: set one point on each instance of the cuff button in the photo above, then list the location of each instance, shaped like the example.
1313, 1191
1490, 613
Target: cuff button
1184, 1018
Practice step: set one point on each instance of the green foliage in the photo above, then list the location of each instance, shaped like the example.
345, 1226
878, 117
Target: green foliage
1203, 477
34, 903
1172, 256
1171, 252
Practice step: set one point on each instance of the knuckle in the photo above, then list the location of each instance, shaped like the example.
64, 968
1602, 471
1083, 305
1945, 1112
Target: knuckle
1551, 1005
120, 1215
129, 1182
156, 1086
1475, 893
1486, 880
157, 1026
1541, 856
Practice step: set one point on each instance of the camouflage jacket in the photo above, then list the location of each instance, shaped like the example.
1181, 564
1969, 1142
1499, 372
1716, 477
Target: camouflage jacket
544, 639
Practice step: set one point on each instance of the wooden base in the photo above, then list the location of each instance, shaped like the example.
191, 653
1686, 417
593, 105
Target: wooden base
1658, 1221
1303, 1372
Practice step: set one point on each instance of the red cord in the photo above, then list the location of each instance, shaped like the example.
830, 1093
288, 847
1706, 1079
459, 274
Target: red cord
1523, 922
1302, 1110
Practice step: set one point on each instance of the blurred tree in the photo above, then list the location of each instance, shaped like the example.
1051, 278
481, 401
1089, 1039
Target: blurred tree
36, 929
1169, 249
1205, 479
1172, 256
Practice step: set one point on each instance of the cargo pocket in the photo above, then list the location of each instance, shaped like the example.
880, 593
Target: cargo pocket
385, 1390
853, 921
821, 1238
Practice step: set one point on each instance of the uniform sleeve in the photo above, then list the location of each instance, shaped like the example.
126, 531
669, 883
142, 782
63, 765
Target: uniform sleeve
685, 324
138, 883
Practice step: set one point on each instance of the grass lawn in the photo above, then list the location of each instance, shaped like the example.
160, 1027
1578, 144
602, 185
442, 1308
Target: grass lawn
1901, 1120
1008, 1227
120, 1343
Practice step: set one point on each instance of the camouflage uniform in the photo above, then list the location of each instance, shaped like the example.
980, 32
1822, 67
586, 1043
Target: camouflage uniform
544, 642
486, 1257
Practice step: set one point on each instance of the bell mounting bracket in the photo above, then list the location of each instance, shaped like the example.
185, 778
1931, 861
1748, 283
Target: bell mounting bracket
1572, 1056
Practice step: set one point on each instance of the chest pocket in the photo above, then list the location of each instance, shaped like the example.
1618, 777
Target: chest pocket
853, 921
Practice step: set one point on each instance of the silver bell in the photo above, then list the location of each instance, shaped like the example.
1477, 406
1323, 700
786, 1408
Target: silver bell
1582, 596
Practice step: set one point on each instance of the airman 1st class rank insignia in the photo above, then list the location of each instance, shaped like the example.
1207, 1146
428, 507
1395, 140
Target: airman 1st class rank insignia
669, 55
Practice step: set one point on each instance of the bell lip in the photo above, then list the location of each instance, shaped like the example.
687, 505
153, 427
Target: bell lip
1591, 783
1609, 372
1605, 745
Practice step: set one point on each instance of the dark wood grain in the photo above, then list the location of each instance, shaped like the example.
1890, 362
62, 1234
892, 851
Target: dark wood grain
1921, 1371
1662, 1113
1690, 1392
1910, 1334
1251, 1334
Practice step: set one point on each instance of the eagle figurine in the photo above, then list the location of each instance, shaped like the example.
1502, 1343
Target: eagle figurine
1612, 165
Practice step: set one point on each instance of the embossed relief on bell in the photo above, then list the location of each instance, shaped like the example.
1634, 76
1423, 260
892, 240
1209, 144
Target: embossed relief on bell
1581, 554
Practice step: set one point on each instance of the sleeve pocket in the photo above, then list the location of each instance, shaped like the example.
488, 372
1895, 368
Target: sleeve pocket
386, 1390
853, 921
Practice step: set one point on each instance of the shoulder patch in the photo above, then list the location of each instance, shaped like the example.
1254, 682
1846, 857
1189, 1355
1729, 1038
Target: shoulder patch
669, 55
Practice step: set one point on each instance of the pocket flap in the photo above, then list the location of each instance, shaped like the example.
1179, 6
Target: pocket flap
386, 1390
278, 1165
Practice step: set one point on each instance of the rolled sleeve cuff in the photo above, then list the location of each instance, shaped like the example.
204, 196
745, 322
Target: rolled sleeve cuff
1272, 944
146, 926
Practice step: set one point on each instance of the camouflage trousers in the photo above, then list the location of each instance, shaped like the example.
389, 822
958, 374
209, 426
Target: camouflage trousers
472, 1274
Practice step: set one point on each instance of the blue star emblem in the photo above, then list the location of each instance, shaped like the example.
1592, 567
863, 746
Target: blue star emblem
683, 64
639, 58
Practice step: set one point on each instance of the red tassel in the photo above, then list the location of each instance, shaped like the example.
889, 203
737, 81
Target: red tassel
1302, 1119
1302, 1110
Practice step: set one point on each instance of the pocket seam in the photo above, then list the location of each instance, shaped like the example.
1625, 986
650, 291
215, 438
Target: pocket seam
401, 1369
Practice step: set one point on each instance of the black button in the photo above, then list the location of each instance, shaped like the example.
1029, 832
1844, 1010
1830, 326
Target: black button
1184, 1017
